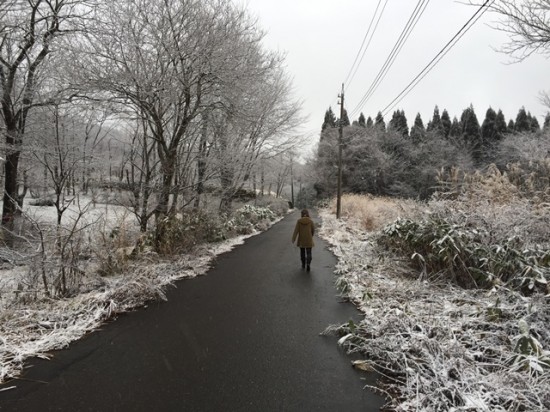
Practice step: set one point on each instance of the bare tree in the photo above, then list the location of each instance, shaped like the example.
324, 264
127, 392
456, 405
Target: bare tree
141, 172
282, 174
202, 155
95, 130
260, 125
545, 99
28, 34
163, 58
528, 24
56, 151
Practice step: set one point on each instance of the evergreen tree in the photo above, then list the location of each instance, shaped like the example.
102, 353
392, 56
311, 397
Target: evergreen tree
435, 123
345, 119
489, 135
546, 124
522, 124
330, 119
361, 120
403, 126
471, 133
379, 122
417, 130
535, 125
489, 132
370, 123
446, 122
511, 126
501, 123
455, 128
399, 122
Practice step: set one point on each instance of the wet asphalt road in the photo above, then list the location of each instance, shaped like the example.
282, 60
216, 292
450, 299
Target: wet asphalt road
245, 337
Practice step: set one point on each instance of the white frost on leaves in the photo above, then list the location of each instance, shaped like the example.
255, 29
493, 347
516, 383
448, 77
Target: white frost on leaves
441, 347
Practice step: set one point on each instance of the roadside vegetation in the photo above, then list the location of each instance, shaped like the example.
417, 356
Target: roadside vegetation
454, 291
139, 140
443, 245
49, 299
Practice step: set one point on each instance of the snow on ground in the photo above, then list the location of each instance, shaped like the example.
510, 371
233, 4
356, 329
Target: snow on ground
99, 217
36, 325
108, 213
443, 348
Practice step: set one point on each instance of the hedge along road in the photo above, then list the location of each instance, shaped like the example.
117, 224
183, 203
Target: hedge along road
245, 337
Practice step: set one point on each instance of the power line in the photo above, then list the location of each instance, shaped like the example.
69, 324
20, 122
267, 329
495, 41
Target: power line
403, 37
363, 43
450, 44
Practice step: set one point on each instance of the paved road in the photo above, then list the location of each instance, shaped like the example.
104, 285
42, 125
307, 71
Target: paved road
245, 337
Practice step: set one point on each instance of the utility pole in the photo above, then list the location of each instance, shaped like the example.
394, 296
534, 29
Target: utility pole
292, 181
340, 139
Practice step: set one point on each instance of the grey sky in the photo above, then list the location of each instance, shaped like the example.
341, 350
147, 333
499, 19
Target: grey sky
321, 39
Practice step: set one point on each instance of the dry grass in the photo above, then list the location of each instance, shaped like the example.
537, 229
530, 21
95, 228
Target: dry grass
494, 186
439, 347
373, 213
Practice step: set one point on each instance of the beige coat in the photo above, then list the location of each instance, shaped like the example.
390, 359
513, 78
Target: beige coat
304, 230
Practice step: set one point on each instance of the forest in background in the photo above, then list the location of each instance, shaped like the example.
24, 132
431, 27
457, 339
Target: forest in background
393, 160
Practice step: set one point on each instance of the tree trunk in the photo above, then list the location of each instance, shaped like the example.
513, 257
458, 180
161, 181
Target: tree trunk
262, 182
21, 196
201, 162
161, 212
10, 194
226, 177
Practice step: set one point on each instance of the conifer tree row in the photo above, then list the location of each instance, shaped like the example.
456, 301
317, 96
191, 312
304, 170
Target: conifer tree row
388, 158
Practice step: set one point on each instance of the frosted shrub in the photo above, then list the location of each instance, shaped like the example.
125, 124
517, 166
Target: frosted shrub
437, 346
467, 255
192, 228
62, 254
114, 247
189, 229
278, 205
255, 213
238, 225
249, 218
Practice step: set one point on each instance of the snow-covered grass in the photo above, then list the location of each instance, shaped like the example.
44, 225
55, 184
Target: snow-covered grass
33, 323
437, 346
31, 328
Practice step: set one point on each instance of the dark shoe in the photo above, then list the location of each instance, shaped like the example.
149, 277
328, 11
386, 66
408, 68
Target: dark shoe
303, 265
308, 268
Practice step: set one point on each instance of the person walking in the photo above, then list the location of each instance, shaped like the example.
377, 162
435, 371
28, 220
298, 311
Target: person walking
304, 231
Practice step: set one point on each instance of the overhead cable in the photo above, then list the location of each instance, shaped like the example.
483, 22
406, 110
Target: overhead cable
354, 67
450, 44
403, 37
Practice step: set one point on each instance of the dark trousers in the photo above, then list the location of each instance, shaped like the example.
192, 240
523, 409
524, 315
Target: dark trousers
305, 255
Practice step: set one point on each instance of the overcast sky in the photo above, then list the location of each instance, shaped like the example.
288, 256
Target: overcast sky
321, 39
